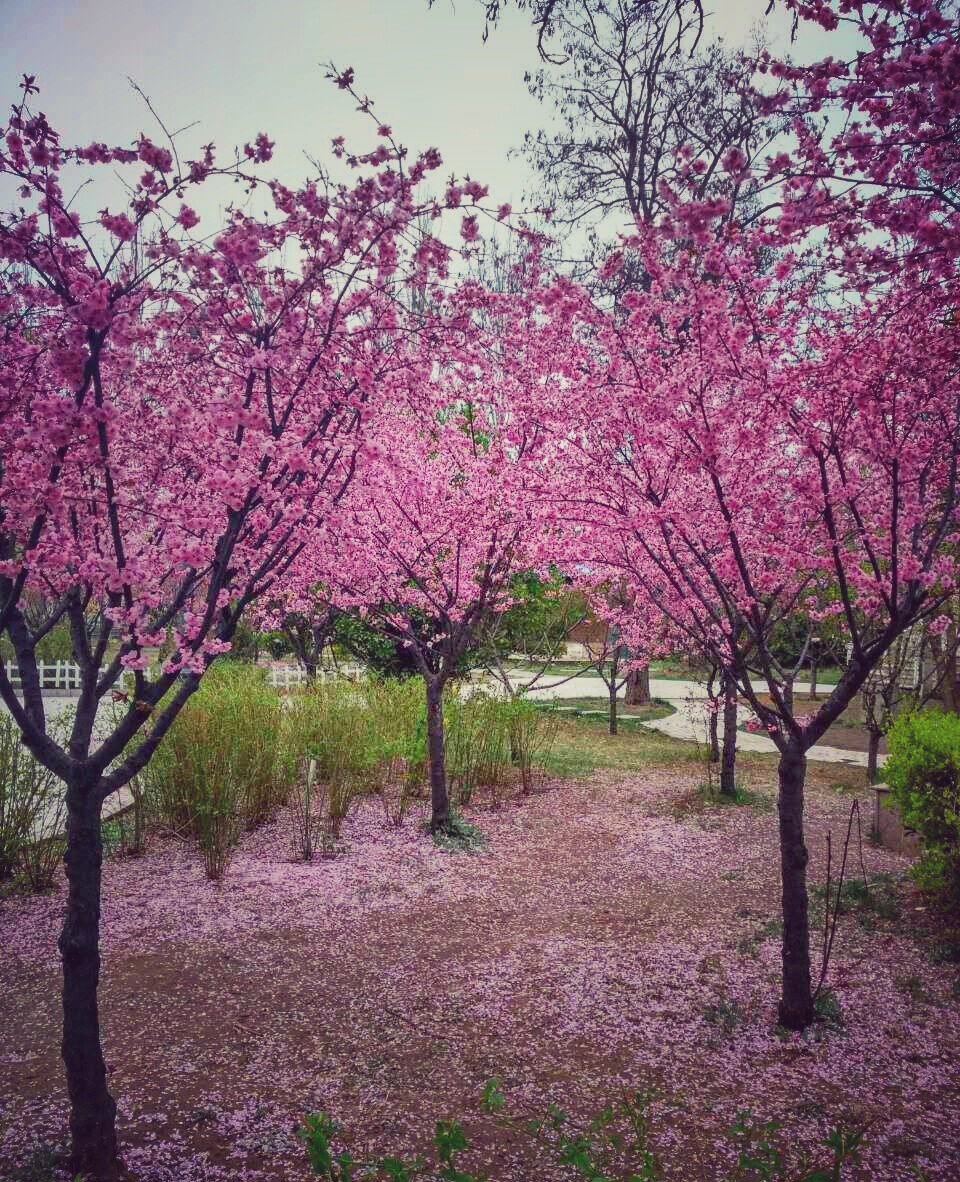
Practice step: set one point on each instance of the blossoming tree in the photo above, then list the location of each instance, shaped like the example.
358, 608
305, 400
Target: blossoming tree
179, 408
772, 426
430, 536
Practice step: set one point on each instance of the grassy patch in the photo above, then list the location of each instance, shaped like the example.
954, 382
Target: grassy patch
727, 1015
460, 836
582, 746
770, 929
749, 797
914, 988
876, 899
826, 1007
591, 706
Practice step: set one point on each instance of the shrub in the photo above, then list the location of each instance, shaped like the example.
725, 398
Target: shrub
332, 724
308, 806
56, 645
32, 813
26, 787
223, 766
533, 731
399, 717
477, 743
923, 771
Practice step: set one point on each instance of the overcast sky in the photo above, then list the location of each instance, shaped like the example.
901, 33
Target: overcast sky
240, 66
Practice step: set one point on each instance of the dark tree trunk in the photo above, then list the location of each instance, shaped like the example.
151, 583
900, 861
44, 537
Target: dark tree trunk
796, 1004
637, 691
310, 663
873, 757
728, 767
439, 801
612, 689
943, 650
93, 1137
814, 670
713, 720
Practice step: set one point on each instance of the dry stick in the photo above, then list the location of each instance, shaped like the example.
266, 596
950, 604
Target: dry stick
863, 869
830, 925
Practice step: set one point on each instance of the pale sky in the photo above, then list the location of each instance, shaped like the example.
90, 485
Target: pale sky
240, 67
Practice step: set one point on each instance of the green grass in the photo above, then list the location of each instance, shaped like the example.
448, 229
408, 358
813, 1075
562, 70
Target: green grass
600, 705
583, 745
556, 669
760, 801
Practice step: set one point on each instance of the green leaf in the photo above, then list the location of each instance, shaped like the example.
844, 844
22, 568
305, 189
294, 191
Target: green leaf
493, 1097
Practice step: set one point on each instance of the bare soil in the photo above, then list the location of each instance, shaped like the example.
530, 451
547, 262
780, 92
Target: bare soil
588, 947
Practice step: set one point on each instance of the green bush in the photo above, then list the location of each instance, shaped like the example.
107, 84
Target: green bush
372, 737
533, 731
477, 728
399, 716
923, 772
57, 645
224, 765
32, 813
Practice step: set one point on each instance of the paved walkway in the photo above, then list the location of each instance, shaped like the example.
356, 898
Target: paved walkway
689, 700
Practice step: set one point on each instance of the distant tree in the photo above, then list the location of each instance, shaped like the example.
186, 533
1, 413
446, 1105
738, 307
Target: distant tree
536, 624
545, 16
431, 535
640, 107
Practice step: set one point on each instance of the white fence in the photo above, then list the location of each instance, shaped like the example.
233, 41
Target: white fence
54, 675
289, 676
65, 675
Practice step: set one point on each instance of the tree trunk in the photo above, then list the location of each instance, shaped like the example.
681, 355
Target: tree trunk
728, 766
713, 719
93, 1137
310, 663
637, 692
943, 650
796, 1003
873, 760
612, 688
439, 801
814, 670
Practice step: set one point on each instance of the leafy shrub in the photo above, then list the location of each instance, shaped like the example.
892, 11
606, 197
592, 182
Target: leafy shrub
533, 731
489, 736
331, 724
223, 766
308, 806
56, 645
40, 857
26, 790
400, 733
923, 772
613, 1146
477, 729
372, 737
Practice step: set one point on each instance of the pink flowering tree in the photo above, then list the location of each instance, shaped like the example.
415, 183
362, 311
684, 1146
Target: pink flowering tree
180, 406
736, 471
430, 536
772, 427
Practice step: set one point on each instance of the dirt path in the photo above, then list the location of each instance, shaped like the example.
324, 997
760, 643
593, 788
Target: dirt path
608, 935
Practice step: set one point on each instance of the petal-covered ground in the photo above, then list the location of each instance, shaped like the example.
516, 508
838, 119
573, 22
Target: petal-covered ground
609, 934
